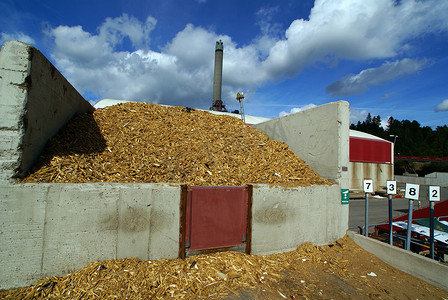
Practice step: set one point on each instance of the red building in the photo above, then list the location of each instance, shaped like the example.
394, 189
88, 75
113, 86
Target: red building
370, 157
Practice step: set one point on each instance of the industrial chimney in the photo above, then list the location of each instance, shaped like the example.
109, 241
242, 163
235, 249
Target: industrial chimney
217, 78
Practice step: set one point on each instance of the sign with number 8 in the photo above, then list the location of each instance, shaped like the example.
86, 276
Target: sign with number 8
412, 191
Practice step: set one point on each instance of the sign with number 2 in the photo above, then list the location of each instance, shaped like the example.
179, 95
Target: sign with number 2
434, 193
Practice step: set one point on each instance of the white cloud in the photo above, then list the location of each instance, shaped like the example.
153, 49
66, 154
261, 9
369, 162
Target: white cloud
359, 83
360, 116
4, 37
296, 110
442, 106
387, 96
114, 30
181, 72
355, 30
356, 115
384, 122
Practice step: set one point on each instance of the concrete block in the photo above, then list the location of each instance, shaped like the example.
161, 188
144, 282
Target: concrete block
9, 139
11, 118
165, 217
14, 56
134, 212
319, 136
284, 218
22, 217
80, 227
35, 99
7, 167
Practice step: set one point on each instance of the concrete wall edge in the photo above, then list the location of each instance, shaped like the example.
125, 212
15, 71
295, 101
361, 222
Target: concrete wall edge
416, 265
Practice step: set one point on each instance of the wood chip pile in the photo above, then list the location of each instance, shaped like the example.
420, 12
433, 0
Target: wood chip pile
204, 276
341, 270
139, 142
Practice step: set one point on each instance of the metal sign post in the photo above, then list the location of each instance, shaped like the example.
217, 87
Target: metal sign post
434, 195
368, 188
412, 191
391, 187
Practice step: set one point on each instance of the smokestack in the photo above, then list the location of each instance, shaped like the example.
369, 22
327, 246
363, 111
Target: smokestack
217, 78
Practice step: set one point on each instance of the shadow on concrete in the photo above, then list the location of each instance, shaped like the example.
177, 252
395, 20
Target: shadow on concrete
81, 135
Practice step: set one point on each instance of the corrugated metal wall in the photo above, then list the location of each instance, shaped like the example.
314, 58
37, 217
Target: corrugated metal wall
370, 151
370, 159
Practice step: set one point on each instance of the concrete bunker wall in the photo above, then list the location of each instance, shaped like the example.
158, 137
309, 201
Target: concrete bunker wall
436, 178
319, 136
35, 102
54, 229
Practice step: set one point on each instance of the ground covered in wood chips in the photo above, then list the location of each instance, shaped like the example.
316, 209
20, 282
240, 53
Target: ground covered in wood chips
337, 271
139, 142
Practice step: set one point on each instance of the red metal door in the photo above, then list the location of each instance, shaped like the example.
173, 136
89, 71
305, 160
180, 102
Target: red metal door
215, 217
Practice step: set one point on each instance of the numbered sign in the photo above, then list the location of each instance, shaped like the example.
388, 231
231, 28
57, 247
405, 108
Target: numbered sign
368, 186
391, 187
412, 191
434, 193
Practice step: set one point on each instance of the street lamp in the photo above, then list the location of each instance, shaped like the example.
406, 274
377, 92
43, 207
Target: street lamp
394, 136
240, 98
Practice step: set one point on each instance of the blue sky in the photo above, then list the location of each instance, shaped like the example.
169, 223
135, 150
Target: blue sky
389, 58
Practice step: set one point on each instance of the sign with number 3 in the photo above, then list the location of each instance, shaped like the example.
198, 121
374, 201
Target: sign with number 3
412, 191
391, 187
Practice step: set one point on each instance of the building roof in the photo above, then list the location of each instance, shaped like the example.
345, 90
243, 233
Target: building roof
363, 135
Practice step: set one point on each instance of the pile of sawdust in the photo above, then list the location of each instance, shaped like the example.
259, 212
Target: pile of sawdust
139, 142
341, 270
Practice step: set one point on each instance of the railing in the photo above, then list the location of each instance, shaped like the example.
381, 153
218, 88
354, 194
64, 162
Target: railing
403, 238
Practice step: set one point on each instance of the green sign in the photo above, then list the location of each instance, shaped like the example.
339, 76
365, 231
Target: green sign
344, 196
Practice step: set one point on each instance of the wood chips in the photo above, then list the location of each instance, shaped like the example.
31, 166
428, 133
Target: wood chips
139, 142
341, 270
204, 276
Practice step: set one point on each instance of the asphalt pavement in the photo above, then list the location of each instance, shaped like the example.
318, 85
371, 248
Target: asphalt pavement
378, 210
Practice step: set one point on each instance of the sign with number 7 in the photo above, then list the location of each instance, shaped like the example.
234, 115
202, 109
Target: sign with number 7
368, 186
412, 191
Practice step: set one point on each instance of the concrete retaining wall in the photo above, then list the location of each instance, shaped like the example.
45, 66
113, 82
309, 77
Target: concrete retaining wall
35, 102
416, 265
319, 136
438, 179
54, 229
